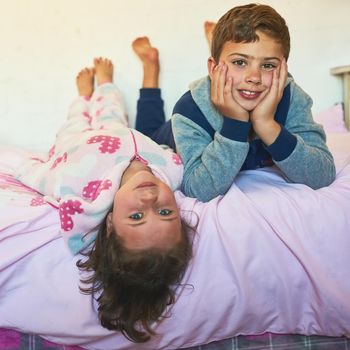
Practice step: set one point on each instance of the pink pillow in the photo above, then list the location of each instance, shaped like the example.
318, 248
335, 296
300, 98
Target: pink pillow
332, 119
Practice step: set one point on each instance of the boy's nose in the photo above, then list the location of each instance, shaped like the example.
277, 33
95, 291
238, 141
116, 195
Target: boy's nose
254, 76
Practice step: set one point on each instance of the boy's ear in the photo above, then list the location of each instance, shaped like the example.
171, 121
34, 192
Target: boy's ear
211, 65
109, 224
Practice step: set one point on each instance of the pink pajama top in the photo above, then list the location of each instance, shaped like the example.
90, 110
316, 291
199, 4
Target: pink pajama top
82, 171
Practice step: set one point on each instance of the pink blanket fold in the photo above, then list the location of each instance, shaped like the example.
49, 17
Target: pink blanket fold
269, 256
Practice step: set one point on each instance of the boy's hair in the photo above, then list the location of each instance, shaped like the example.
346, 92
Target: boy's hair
241, 23
136, 286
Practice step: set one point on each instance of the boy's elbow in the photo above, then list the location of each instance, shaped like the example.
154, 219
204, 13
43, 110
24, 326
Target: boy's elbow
201, 195
326, 179
331, 177
202, 192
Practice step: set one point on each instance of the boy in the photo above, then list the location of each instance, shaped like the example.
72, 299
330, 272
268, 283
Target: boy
248, 113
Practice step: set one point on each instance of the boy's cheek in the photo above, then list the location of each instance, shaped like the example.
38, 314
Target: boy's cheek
267, 79
235, 77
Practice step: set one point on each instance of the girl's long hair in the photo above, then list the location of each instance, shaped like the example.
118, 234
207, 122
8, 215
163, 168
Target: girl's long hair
134, 287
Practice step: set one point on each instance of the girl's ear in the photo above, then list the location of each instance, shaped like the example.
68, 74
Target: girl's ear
211, 65
109, 223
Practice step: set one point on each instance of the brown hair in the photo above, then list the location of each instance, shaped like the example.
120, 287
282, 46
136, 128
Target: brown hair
136, 286
241, 23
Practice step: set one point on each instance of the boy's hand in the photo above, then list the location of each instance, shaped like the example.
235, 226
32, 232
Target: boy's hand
221, 95
262, 117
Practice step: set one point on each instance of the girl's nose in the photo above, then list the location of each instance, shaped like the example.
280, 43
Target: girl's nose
148, 196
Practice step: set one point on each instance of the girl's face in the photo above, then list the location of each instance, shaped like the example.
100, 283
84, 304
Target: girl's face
251, 66
145, 214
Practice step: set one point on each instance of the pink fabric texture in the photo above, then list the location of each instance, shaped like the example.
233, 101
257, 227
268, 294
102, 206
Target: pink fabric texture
9, 339
269, 256
332, 119
82, 171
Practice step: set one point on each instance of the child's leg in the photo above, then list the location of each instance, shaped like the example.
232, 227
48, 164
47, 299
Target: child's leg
85, 83
150, 113
39, 171
150, 61
79, 115
106, 107
150, 118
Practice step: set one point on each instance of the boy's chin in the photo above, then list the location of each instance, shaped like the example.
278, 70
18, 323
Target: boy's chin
248, 106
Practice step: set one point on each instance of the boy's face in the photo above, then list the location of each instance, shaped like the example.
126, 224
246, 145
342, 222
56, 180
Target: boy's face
145, 214
251, 67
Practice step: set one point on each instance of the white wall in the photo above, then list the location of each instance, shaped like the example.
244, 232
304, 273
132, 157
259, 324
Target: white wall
44, 43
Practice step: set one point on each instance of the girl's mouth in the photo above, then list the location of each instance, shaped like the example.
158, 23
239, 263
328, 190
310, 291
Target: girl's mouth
146, 184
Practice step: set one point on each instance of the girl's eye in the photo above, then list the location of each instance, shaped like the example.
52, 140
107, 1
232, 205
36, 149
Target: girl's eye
164, 212
136, 216
269, 66
240, 63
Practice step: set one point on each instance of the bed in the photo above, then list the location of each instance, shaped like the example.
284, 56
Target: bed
284, 256
344, 73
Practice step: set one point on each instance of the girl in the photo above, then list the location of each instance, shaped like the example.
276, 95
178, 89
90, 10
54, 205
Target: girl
103, 176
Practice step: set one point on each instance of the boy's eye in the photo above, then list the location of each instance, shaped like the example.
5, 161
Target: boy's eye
269, 66
136, 216
240, 63
164, 212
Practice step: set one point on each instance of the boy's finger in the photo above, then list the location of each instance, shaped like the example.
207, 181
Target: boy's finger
228, 90
221, 82
283, 76
284, 71
275, 81
214, 83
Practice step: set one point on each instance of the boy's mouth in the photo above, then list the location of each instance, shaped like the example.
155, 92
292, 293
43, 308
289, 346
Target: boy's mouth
250, 95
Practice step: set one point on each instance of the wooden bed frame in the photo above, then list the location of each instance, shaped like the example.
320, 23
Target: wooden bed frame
344, 72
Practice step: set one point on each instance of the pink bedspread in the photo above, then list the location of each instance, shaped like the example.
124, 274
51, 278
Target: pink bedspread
269, 257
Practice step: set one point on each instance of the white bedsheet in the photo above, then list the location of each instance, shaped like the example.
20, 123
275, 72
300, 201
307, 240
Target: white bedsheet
268, 256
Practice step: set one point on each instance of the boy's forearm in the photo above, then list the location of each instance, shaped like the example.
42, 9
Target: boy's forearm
211, 165
283, 145
267, 131
309, 165
208, 175
309, 162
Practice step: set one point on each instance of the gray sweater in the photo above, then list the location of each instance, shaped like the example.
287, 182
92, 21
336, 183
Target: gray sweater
211, 162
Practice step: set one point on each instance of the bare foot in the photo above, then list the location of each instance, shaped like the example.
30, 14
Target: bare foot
103, 70
150, 60
85, 82
208, 30
147, 53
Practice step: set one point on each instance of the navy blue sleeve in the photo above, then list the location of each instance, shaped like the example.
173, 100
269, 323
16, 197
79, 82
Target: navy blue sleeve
235, 130
283, 146
150, 111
